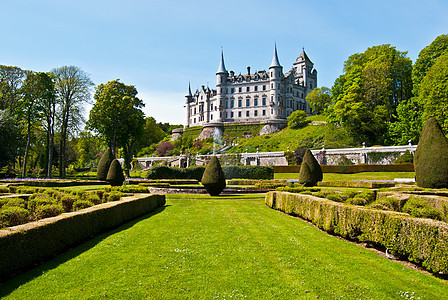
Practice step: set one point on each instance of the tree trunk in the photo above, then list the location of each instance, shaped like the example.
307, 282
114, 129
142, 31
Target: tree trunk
27, 148
127, 160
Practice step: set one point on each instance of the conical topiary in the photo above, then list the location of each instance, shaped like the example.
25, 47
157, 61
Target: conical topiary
310, 170
104, 164
431, 157
115, 175
213, 178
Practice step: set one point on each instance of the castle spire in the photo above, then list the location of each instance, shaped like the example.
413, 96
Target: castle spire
275, 62
222, 66
189, 90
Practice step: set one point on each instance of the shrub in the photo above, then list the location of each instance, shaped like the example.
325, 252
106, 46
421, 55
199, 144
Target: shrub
164, 172
28, 190
431, 157
4, 189
67, 202
298, 190
47, 211
364, 198
81, 204
214, 179
420, 208
387, 203
39, 200
310, 170
164, 147
248, 172
405, 158
92, 197
115, 175
104, 164
112, 196
298, 155
155, 184
270, 185
12, 202
297, 119
13, 215
335, 197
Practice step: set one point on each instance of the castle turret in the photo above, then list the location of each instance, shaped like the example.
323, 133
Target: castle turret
221, 79
275, 75
188, 100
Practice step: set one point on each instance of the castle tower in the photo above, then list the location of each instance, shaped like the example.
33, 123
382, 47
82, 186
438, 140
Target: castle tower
221, 80
275, 76
188, 100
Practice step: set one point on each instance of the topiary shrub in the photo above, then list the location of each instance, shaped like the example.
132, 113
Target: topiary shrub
104, 164
214, 179
310, 170
405, 158
420, 208
13, 215
431, 157
47, 211
115, 175
67, 202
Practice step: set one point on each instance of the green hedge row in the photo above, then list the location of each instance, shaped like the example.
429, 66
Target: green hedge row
246, 172
422, 241
22, 246
356, 184
409, 167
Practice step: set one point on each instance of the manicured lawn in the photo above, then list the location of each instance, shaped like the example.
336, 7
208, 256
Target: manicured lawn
199, 247
354, 176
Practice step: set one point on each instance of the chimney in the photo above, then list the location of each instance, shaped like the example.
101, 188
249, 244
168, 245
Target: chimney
248, 70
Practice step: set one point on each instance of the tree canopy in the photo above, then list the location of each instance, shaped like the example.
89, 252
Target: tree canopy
319, 99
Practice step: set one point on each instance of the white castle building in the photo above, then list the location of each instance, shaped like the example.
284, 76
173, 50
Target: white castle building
262, 97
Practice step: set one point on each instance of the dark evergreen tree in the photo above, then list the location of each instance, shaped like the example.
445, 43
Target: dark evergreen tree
310, 170
104, 164
431, 157
115, 175
213, 178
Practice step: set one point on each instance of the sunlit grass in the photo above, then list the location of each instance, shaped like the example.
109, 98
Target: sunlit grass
201, 247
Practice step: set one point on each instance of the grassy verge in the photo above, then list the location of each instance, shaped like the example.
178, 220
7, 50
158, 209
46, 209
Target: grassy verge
355, 176
201, 247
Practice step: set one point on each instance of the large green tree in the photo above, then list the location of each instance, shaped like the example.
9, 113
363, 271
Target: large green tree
117, 116
319, 99
366, 96
73, 89
11, 80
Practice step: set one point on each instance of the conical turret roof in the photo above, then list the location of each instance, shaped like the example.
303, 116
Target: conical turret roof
222, 66
275, 62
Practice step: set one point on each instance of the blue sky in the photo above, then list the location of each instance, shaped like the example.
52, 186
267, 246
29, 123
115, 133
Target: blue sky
159, 46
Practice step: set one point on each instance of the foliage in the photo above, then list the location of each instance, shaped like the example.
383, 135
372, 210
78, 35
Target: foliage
367, 94
420, 208
104, 165
405, 158
319, 99
115, 175
213, 178
81, 204
13, 215
297, 119
433, 92
164, 172
164, 147
310, 170
248, 172
9, 137
299, 153
431, 157
47, 211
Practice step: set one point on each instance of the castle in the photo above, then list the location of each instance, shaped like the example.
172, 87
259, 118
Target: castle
262, 97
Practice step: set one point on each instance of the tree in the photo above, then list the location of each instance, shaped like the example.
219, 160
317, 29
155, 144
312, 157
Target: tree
72, 87
426, 59
11, 80
37, 89
118, 118
367, 95
433, 94
431, 157
297, 119
319, 99
9, 137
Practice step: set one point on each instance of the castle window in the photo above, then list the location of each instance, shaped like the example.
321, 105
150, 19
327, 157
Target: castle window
255, 113
256, 88
311, 85
247, 113
232, 103
240, 89
248, 89
231, 114
239, 114
272, 85
194, 120
232, 90
220, 115
226, 115
211, 106
227, 104
256, 102
248, 102
195, 113
287, 89
264, 112
240, 103
263, 101
211, 117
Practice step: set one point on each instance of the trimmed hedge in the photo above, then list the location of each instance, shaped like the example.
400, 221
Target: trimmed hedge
422, 241
22, 246
248, 172
356, 184
407, 167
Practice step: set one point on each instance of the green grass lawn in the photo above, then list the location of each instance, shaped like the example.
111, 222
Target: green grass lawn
354, 176
201, 247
